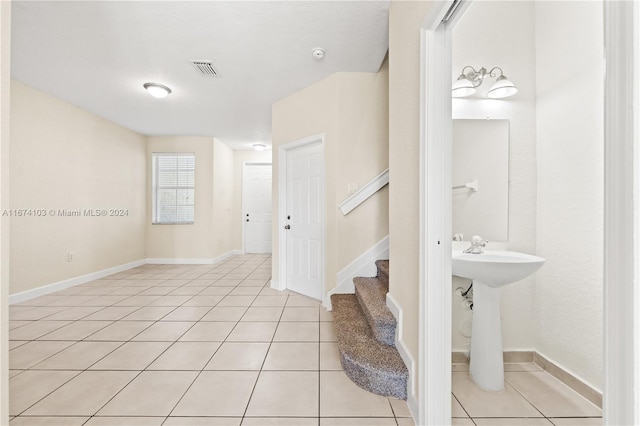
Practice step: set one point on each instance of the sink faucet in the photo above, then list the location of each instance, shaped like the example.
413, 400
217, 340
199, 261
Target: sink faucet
477, 245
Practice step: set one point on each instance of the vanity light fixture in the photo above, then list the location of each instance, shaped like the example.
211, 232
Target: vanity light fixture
259, 146
157, 90
468, 81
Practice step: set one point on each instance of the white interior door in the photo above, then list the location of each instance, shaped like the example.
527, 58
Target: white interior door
256, 201
304, 220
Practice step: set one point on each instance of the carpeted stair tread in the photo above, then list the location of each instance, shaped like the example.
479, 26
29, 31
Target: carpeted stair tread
383, 272
370, 364
372, 295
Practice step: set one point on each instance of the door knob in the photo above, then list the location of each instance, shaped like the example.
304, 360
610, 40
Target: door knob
287, 227
247, 220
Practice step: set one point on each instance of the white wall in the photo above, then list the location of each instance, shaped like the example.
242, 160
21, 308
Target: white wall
65, 158
569, 292
223, 176
502, 34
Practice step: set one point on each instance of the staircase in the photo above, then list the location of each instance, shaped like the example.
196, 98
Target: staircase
366, 332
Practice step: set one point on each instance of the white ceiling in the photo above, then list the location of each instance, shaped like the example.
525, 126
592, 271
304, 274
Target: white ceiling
98, 54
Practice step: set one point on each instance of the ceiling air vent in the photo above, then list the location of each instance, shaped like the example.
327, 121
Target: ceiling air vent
205, 68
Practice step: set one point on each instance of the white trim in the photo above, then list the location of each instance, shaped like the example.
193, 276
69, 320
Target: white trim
362, 194
363, 266
61, 285
412, 398
242, 197
621, 403
282, 203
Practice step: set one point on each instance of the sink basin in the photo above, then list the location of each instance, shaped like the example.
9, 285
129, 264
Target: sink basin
495, 268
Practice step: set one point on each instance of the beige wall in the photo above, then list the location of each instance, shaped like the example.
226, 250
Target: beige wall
5, 86
184, 241
66, 158
405, 21
351, 109
240, 158
223, 175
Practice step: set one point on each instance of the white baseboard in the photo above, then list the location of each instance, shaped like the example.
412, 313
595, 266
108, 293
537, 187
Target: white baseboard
363, 266
276, 285
412, 400
61, 285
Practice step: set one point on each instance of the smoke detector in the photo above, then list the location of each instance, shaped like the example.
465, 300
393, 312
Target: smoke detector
318, 53
205, 68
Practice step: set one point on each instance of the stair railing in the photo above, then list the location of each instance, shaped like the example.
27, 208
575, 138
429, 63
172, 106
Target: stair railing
366, 191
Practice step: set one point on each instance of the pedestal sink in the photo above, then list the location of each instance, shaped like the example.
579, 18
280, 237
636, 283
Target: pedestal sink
490, 271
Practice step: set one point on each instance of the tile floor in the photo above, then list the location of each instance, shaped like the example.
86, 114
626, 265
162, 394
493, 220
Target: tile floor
210, 345
183, 345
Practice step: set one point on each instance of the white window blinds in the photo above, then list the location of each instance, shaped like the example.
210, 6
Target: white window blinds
173, 188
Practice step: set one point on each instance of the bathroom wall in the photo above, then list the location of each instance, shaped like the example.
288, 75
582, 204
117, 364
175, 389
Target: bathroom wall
569, 292
502, 34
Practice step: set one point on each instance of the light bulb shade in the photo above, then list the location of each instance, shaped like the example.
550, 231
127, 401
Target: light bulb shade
259, 146
462, 88
157, 90
502, 88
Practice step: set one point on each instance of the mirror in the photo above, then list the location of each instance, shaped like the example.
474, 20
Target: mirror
481, 157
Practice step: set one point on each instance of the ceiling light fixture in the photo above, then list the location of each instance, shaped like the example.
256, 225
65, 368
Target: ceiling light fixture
467, 82
318, 53
157, 90
259, 146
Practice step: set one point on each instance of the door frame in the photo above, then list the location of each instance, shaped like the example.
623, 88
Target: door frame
283, 152
245, 164
621, 404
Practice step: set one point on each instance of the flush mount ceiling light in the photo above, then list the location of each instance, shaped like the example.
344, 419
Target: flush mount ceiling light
157, 90
318, 53
467, 82
259, 146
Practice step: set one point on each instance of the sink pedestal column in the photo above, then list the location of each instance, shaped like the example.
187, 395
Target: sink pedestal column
486, 369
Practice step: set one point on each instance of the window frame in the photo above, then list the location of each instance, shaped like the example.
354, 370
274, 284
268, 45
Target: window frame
155, 188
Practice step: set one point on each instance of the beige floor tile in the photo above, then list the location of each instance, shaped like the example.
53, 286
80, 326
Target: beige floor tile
325, 315
329, 356
131, 356
328, 332
187, 291
285, 394
245, 291
203, 300
357, 421
111, 313
550, 396
292, 356
219, 393
297, 332
129, 291
456, 408
461, 422
137, 301
74, 399
239, 356
216, 291
297, 300
253, 282
340, 397
301, 314
16, 343
186, 356
102, 301
157, 291
268, 291
29, 354
78, 357
120, 331
187, 313
76, 330
399, 407
125, 421
36, 313
76, 313
480, 403
584, 421
227, 282
208, 331
263, 313
49, 421
236, 301
252, 332
270, 300
29, 387
41, 301
36, 329
152, 393
149, 313
511, 422
72, 301
167, 331
225, 313
202, 421
18, 323
280, 421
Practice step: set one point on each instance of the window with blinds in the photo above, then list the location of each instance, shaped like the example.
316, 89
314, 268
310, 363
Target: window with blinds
173, 188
